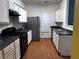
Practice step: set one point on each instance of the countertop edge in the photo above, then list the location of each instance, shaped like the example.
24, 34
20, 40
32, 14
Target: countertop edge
57, 27
7, 41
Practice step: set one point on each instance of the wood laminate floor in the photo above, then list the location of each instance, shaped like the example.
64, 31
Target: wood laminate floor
43, 49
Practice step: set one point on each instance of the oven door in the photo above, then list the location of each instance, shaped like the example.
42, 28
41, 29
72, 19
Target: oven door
23, 43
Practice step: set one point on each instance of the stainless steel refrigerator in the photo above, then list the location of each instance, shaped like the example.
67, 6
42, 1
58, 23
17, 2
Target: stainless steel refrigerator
34, 24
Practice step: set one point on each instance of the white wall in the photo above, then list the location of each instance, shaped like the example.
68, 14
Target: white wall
35, 10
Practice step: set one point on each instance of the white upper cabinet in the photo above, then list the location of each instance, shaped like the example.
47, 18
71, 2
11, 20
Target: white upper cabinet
4, 11
59, 16
16, 7
17, 1
11, 1
20, 3
11, 4
23, 13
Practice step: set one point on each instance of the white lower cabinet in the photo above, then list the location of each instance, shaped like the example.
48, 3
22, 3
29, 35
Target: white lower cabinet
17, 53
65, 45
17, 49
9, 55
12, 51
8, 52
55, 39
29, 33
62, 43
1, 57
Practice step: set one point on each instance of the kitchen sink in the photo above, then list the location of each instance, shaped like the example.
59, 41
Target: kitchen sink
59, 29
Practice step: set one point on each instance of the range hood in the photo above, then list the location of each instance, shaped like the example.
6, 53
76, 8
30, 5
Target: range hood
13, 13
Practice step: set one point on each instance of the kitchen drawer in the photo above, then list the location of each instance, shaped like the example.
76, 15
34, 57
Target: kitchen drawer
8, 48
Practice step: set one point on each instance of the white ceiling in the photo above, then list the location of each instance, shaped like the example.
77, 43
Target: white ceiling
39, 2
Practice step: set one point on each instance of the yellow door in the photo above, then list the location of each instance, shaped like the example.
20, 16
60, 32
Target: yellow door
75, 42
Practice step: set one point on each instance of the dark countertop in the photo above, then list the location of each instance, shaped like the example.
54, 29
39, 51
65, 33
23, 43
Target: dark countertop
6, 40
60, 31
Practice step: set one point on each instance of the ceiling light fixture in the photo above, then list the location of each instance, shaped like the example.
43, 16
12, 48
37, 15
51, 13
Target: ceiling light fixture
45, 1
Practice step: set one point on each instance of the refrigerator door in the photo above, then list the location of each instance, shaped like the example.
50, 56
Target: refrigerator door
34, 24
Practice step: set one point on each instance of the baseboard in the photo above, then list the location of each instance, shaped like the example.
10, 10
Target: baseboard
36, 40
45, 38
